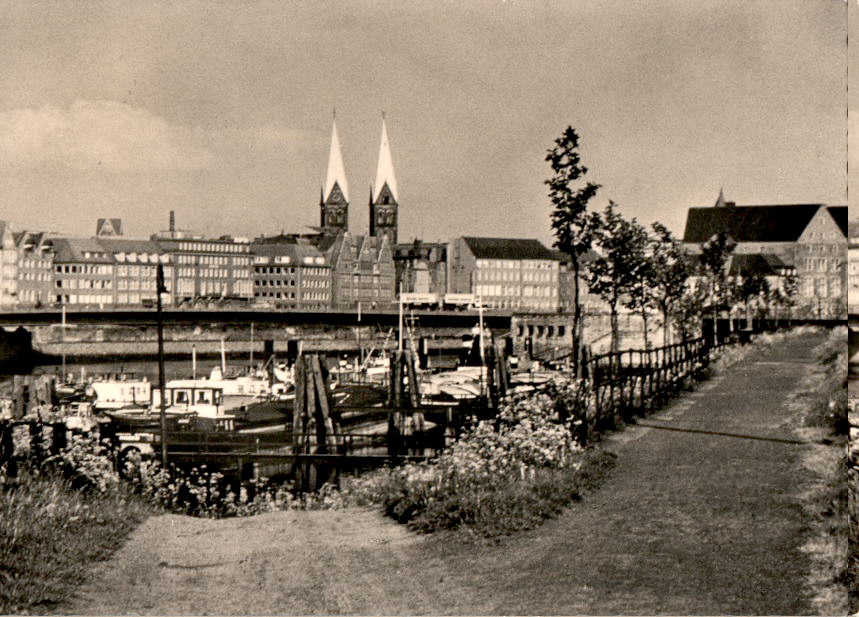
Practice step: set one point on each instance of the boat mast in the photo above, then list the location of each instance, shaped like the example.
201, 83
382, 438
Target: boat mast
252, 345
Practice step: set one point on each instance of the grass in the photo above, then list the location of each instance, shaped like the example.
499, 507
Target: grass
51, 534
730, 355
516, 505
823, 417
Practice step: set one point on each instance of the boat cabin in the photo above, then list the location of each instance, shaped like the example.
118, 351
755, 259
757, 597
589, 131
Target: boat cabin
188, 396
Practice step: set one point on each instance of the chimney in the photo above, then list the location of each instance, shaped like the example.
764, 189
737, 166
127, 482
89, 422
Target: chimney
172, 220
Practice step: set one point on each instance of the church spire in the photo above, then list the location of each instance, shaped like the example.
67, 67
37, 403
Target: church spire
383, 194
385, 169
336, 172
334, 203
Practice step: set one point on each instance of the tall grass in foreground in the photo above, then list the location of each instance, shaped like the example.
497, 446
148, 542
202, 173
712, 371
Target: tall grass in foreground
51, 533
824, 418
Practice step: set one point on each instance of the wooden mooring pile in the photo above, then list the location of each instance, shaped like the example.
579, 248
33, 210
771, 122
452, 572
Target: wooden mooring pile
321, 440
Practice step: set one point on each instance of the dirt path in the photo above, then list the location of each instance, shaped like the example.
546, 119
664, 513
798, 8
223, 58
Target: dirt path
701, 518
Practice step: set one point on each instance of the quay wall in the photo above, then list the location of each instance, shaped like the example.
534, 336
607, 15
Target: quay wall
94, 341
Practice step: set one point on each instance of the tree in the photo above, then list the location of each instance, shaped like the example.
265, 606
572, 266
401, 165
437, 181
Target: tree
689, 310
785, 293
639, 295
615, 272
572, 224
749, 288
714, 255
670, 270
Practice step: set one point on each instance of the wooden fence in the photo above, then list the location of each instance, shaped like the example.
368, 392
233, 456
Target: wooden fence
633, 381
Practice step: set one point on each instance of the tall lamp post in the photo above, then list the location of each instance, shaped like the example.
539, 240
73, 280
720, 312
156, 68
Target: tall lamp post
159, 289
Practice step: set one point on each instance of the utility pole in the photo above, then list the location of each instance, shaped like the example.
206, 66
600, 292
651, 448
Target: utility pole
159, 289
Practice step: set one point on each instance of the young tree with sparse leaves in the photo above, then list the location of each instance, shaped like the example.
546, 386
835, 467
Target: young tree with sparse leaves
670, 270
640, 296
751, 289
714, 255
572, 224
688, 311
614, 273
786, 293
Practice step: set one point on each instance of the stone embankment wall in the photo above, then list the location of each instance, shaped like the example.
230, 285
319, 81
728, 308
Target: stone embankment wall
118, 341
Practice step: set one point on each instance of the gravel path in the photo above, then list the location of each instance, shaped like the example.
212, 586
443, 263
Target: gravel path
702, 518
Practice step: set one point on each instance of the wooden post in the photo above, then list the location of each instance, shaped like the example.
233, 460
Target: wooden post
37, 440
414, 390
58, 437
298, 424
19, 405
7, 444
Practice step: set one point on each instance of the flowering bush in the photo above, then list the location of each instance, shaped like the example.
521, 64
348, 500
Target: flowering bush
86, 462
500, 475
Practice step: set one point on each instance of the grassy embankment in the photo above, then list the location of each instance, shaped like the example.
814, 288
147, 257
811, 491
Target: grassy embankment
51, 533
821, 406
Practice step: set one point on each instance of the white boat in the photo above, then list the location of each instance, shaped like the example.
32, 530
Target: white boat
462, 383
532, 378
120, 391
460, 391
245, 387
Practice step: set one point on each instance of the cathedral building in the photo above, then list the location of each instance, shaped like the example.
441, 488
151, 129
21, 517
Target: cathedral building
361, 266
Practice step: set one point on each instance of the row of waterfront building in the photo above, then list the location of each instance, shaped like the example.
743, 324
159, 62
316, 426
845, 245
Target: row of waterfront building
334, 268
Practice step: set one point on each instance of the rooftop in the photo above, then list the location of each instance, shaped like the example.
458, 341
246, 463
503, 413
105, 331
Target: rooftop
509, 248
765, 223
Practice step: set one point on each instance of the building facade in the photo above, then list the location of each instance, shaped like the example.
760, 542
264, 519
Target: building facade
135, 265
209, 269
84, 273
821, 263
35, 269
808, 240
362, 271
292, 275
505, 273
421, 267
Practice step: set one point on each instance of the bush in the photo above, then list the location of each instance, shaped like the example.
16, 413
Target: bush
501, 476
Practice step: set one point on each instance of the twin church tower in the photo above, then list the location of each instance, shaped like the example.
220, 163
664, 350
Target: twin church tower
334, 201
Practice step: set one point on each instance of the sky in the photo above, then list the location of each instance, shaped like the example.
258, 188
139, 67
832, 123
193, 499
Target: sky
222, 111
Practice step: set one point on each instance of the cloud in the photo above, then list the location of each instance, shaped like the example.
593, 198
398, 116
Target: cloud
97, 135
